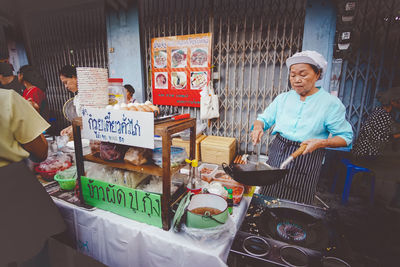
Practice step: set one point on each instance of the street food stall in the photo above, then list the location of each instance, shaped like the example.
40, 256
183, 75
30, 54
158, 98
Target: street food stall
141, 196
119, 182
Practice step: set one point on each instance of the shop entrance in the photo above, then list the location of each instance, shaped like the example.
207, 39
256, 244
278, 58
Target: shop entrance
251, 41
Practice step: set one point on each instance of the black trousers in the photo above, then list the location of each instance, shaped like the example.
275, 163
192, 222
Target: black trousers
28, 214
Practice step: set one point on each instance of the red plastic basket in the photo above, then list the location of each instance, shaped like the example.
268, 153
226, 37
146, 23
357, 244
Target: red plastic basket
49, 175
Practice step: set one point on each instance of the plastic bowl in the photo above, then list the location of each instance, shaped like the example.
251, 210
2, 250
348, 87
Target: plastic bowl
66, 184
49, 175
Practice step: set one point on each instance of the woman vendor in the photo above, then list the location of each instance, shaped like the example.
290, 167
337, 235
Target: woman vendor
304, 115
68, 77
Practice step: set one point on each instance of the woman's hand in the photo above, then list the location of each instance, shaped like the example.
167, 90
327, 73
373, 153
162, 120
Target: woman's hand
68, 132
313, 144
34, 105
258, 132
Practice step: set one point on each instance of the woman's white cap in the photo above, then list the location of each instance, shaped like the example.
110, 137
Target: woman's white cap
308, 57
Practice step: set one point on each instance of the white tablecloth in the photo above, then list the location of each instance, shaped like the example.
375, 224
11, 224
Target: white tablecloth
118, 241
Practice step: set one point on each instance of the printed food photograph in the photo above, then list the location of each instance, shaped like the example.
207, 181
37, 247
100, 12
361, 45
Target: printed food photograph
179, 80
198, 57
161, 80
198, 79
178, 58
160, 59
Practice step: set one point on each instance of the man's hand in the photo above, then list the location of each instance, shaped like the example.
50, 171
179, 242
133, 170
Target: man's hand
258, 132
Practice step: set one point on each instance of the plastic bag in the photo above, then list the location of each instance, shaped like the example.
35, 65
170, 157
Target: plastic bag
111, 152
209, 104
55, 162
69, 173
222, 233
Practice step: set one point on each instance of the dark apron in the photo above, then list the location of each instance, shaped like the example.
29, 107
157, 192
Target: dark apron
300, 184
28, 214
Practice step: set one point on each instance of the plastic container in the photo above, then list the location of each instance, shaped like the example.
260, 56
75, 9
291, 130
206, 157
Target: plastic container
221, 176
157, 141
66, 184
207, 171
178, 155
116, 91
237, 192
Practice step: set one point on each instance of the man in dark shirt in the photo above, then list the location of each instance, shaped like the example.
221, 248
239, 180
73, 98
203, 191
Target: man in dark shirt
8, 80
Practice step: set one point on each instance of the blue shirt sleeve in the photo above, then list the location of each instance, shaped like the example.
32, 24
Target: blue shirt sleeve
336, 122
268, 117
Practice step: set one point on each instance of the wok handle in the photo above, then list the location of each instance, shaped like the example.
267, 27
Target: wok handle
227, 169
299, 151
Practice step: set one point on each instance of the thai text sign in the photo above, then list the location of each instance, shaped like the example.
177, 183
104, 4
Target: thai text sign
180, 68
126, 127
131, 203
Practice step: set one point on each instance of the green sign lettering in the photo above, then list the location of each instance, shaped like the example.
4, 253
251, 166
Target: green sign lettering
131, 203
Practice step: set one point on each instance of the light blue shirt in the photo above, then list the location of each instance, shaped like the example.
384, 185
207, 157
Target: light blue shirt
316, 117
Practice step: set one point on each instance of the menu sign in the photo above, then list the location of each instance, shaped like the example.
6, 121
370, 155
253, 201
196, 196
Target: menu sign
180, 69
133, 128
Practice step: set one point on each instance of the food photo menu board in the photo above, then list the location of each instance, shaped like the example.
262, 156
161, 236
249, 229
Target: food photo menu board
180, 69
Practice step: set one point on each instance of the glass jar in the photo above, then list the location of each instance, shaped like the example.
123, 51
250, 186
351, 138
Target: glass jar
116, 92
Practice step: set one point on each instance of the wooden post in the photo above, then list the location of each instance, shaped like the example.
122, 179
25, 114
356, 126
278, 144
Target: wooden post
76, 127
166, 196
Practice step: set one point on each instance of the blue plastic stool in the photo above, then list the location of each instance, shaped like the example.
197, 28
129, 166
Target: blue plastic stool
351, 171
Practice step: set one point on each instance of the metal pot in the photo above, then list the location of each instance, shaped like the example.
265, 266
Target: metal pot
207, 219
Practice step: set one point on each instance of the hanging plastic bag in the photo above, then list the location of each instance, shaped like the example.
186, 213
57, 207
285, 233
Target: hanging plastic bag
221, 233
209, 104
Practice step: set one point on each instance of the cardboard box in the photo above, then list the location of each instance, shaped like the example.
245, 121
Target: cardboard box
185, 144
218, 149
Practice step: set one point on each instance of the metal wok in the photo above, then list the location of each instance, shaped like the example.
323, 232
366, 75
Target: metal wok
261, 173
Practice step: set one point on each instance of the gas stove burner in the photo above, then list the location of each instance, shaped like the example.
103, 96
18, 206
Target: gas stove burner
284, 233
291, 231
256, 246
294, 256
333, 262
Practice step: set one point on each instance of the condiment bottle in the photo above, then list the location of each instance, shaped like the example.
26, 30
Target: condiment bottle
116, 92
194, 179
230, 201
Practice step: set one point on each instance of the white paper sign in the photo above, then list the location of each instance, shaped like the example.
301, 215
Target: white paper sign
133, 128
92, 86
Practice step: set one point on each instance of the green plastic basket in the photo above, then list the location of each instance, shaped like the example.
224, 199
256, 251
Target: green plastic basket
66, 184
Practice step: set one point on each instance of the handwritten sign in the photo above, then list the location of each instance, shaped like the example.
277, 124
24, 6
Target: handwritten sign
180, 68
125, 127
93, 86
131, 203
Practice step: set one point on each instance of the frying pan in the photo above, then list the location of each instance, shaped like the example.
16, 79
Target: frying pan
260, 173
